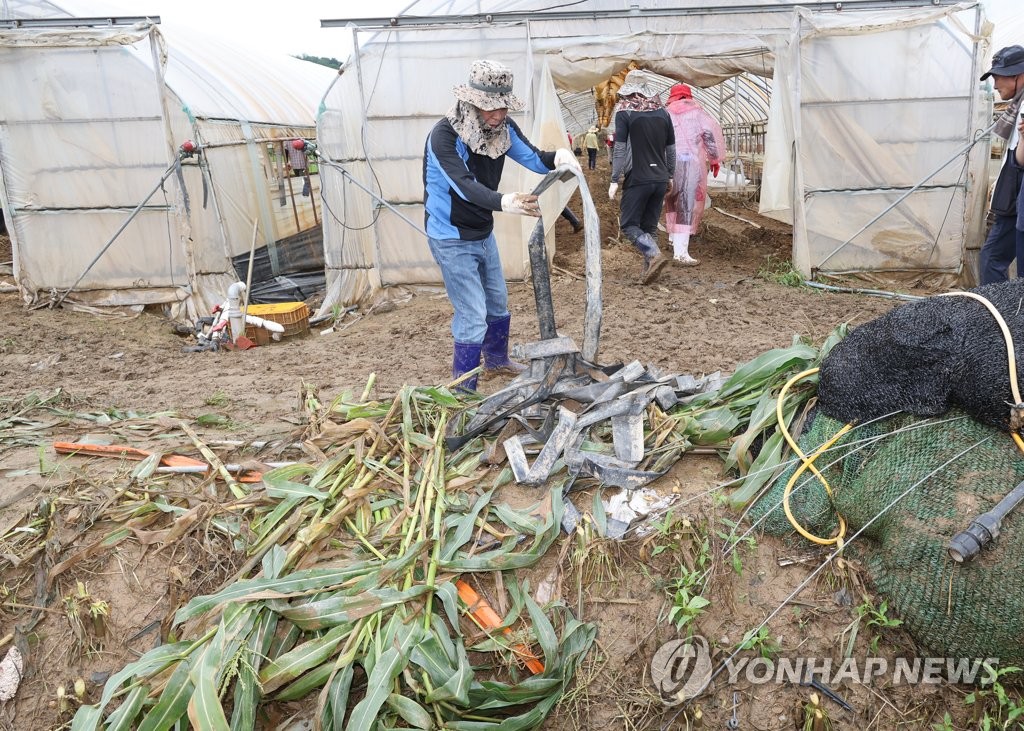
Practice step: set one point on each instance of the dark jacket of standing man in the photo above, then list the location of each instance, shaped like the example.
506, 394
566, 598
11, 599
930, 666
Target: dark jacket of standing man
645, 158
462, 164
1004, 241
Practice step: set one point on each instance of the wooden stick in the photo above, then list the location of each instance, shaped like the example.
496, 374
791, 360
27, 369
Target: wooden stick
738, 218
248, 276
214, 461
566, 273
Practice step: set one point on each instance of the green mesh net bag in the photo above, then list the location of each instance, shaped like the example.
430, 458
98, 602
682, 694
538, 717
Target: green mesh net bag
969, 610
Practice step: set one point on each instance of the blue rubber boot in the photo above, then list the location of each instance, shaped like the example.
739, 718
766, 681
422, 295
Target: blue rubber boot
467, 357
495, 349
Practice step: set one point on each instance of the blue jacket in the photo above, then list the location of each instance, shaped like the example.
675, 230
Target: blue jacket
460, 187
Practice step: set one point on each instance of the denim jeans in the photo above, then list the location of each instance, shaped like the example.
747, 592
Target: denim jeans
474, 282
1003, 243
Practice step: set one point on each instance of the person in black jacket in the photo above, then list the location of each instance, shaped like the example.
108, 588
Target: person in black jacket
645, 157
462, 163
1005, 242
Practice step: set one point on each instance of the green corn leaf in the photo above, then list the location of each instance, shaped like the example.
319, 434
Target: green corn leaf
152, 662
307, 655
265, 525
449, 597
173, 701
713, 426
411, 712
756, 372
311, 681
247, 688
390, 569
273, 562
343, 608
87, 718
123, 719
599, 515
466, 524
544, 633
492, 694
247, 693
338, 696
762, 417
431, 655
204, 708
386, 668
456, 686
295, 584
762, 470
295, 490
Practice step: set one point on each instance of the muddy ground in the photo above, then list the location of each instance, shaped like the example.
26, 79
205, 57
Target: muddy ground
691, 320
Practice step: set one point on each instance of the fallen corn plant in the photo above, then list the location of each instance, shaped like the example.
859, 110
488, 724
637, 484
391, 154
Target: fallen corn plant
741, 413
349, 595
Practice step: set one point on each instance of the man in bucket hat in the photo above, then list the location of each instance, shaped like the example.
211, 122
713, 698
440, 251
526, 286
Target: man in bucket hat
1004, 241
645, 158
463, 160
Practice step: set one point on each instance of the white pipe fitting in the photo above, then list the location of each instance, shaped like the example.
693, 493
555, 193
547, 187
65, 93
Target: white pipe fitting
235, 310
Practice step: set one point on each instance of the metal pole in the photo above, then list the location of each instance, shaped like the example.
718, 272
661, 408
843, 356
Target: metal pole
131, 216
346, 174
925, 179
736, 130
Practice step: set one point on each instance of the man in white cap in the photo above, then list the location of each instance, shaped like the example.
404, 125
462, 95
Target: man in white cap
463, 160
1005, 242
645, 158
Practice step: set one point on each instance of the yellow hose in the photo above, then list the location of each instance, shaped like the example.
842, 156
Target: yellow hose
807, 463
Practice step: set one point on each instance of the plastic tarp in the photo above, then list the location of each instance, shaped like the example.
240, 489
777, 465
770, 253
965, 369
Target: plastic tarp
94, 117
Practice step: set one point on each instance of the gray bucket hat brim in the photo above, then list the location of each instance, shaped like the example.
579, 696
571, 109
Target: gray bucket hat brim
1007, 61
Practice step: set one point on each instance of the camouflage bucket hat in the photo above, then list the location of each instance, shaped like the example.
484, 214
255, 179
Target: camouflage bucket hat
640, 82
489, 87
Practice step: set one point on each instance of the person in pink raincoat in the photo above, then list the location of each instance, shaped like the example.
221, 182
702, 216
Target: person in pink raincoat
699, 143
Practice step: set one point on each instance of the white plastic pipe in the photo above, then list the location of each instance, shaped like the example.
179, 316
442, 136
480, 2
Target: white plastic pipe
235, 310
275, 328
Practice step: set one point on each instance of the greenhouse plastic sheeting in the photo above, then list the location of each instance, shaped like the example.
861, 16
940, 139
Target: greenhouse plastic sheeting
865, 103
865, 136
94, 117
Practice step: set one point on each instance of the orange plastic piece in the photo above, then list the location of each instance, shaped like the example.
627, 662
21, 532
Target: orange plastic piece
489, 619
134, 453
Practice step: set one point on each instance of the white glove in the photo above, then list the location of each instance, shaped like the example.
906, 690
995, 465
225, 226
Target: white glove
565, 157
612, 190
521, 204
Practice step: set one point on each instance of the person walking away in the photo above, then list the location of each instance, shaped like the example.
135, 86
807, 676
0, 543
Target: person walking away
644, 160
298, 163
590, 142
699, 143
463, 160
1005, 241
